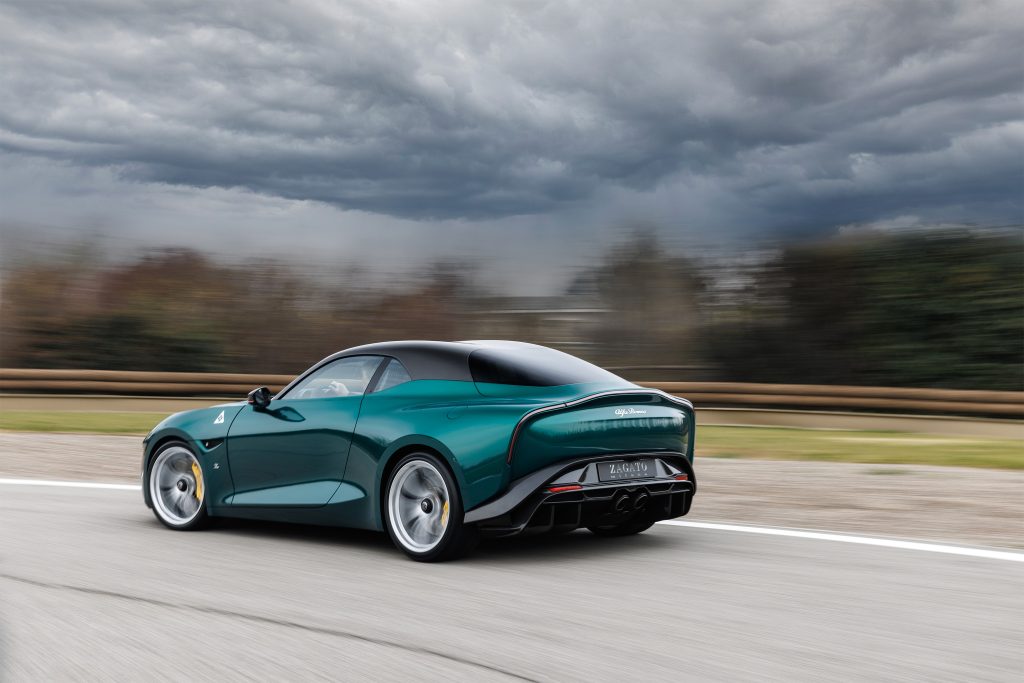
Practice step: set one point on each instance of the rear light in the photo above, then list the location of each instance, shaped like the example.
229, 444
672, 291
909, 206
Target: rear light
560, 489
683, 477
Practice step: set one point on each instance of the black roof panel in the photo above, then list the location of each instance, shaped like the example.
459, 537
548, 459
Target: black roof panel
423, 359
431, 359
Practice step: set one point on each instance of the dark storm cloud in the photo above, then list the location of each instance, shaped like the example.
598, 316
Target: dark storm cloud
796, 113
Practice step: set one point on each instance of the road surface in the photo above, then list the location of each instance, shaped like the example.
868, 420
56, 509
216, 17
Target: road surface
92, 587
971, 506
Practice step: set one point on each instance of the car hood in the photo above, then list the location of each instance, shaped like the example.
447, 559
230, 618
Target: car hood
201, 423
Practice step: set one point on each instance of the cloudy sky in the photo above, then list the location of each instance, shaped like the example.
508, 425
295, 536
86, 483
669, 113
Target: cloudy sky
394, 131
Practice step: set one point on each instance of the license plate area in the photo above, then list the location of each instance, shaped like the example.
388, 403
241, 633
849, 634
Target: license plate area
625, 470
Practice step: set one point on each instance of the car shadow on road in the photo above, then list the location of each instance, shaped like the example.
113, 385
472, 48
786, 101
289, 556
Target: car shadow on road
570, 547
305, 533
516, 550
566, 548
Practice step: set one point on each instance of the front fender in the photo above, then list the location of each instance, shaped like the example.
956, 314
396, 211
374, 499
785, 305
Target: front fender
204, 431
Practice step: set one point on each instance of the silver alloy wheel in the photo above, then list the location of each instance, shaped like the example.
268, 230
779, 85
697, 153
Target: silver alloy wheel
176, 486
418, 506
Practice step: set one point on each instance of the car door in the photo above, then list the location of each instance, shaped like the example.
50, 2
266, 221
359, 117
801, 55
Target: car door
294, 451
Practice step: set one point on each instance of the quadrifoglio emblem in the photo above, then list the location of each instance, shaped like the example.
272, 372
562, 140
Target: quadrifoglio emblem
629, 411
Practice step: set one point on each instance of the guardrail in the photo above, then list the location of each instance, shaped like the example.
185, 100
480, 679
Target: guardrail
824, 397
129, 383
1005, 404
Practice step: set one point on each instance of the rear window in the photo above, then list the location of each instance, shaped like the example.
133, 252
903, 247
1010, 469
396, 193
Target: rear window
534, 367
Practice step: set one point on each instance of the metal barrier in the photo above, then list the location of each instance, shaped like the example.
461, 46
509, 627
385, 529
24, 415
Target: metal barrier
873, 399
1004, 404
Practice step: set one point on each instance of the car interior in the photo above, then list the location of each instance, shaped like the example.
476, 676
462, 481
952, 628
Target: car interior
343, 377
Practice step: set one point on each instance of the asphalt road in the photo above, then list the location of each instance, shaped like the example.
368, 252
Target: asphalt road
91, 587
967, 505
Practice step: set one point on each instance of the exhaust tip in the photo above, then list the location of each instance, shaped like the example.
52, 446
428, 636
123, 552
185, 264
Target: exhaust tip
640, 502
621, 502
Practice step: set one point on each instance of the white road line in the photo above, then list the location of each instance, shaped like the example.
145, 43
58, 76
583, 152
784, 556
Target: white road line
862, 540
986, 553
71, 484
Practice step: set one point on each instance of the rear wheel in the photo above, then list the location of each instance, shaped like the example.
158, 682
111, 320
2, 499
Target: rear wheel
423, 511
627, 528
176, 488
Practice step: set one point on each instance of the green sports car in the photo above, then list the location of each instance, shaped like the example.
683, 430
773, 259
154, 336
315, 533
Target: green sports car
439, 443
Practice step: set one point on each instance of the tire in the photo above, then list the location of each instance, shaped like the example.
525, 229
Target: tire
176, 489
627, 528
423, 510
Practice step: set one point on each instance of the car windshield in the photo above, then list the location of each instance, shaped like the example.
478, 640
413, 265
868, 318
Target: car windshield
535, 366
343, 377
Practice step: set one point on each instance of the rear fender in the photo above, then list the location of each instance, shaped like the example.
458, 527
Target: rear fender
408, 444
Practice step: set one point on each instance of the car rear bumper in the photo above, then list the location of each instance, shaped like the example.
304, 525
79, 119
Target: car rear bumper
569, 495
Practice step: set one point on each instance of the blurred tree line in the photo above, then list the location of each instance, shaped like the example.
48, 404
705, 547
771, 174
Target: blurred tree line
931, 309
916, 309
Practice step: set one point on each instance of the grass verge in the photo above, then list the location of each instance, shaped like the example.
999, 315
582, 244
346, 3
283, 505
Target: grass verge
777, 443
766, 443
76, 422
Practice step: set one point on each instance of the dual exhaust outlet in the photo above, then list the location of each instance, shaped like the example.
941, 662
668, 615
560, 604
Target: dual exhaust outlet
623, 502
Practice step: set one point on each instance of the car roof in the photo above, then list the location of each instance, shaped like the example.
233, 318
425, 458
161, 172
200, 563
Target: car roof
430, 359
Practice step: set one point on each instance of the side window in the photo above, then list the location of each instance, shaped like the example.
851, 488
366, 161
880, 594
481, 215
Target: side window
394, 374
343, 377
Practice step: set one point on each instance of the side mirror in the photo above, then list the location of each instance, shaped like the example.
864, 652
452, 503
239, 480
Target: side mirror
259, 398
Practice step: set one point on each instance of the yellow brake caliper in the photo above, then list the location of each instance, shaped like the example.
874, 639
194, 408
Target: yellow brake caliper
444, 514
199, 480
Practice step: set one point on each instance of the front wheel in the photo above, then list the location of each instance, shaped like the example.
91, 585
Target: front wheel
176, 488
423, 511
